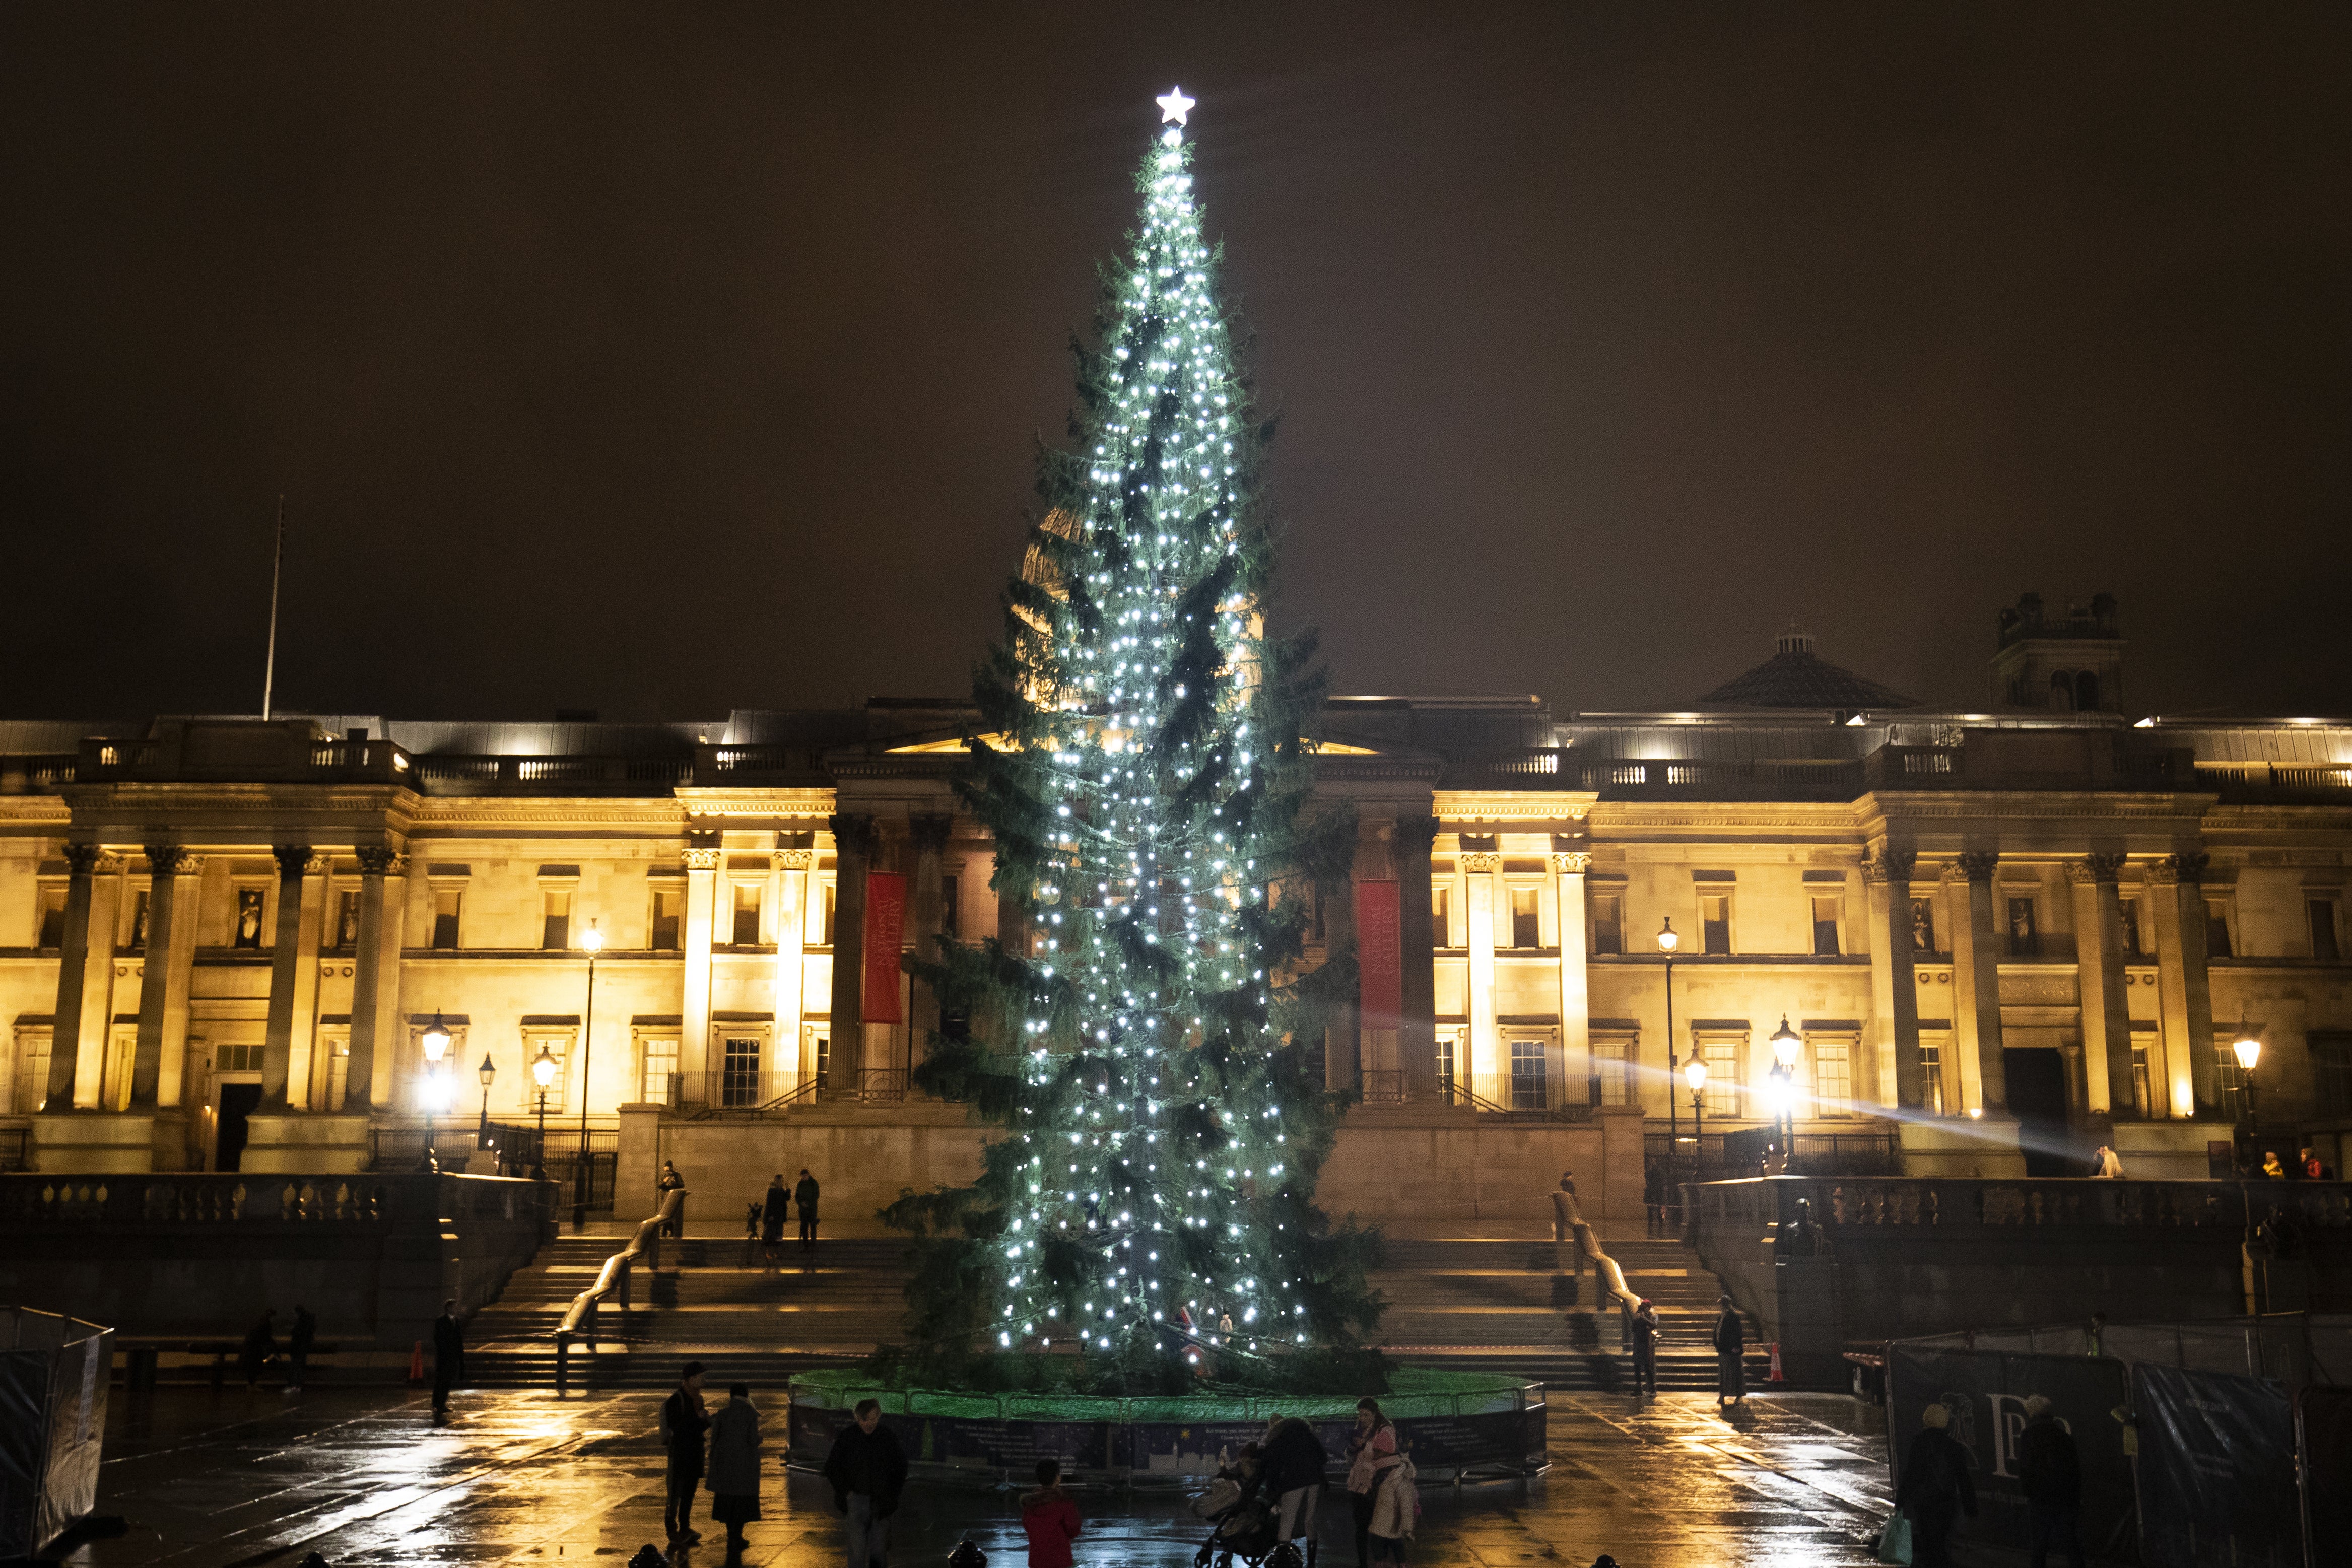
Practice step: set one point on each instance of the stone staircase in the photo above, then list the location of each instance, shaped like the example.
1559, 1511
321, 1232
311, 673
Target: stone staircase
1505, 1306
1479, 1303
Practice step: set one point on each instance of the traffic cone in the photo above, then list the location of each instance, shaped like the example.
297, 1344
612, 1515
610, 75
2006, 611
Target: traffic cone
1774, 1375
416, 1365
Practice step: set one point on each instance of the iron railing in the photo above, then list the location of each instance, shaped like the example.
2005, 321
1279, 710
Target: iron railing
1734, 1152
16, 1146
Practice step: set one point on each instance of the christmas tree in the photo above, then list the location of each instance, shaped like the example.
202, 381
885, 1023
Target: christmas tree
1150, 1047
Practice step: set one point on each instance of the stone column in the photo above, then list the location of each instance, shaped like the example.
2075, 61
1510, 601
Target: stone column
1343, 1050
2184, 987
1568, 871
1482, 1071
2099, 982
926, 914
293, 979
1895, 992
1975, 983
852, 851
375, 978
701, 861
157, 1070
791, 873
85, 979
1416, 959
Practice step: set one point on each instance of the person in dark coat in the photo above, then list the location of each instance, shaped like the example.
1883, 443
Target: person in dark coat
1730, 1355
682, 1426
804, 1197
260, 1348
2051, 1472
868, 1472
299, 1343
1294, 1462
774, 1210
735, 1466
668, 1182
448, 1356
1936, 1489
1049, 1519
1645, 1349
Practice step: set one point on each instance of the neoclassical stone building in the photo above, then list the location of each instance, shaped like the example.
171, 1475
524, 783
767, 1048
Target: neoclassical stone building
1996, 937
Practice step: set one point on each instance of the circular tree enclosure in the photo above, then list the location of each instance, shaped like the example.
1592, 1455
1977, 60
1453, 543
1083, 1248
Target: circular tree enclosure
1455, 1425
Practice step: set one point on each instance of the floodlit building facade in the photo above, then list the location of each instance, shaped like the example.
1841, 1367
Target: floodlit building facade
1995, 939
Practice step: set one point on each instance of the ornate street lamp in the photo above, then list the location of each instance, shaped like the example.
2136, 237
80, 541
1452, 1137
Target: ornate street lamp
1667, 943
487, 1072
543, 1072
435, 1042
2248, 1049
591, 942
1786, 1045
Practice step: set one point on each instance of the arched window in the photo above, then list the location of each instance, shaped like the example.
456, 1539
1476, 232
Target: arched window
2086, 692
2062, 691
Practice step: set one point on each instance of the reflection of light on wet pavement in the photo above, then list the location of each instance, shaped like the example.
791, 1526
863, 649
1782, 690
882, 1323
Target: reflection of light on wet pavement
363, 1477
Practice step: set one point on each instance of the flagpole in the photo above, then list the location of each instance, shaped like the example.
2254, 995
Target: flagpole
276, 566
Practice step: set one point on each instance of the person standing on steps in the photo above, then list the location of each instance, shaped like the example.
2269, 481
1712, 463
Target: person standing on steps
735, 1467
804, 1196
669, 1182
683, 1423
868, 1470
1730, 1355
448, 1356
773, 1208
1645, 1349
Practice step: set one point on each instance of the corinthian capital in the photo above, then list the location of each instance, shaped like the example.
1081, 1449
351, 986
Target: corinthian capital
2096, 868
171, 860
1979, 865
1574, 863
2190, 866
1482, 864
1889, 865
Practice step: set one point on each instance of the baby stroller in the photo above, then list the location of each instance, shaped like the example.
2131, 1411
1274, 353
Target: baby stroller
1242, 1526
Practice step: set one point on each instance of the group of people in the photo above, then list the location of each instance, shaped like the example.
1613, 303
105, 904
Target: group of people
1279, 1481
777, 1207
1936, 1488
259, 1351
718, 1449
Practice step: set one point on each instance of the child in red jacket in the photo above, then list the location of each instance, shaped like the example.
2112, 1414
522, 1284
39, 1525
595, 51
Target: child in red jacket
1050, 1518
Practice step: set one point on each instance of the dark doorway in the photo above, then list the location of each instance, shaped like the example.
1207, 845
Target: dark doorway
237, 1100
2037, 1098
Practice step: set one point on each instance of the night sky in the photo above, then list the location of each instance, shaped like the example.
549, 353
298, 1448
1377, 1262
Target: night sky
670, 358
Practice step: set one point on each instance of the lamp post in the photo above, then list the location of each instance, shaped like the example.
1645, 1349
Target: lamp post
1667, 943
435, 1042
1695, 1073
591, 941
486, 1072
2248, 1049
543, 1072
1786, 1044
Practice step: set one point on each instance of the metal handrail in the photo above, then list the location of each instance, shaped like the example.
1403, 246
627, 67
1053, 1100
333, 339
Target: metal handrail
613, 1276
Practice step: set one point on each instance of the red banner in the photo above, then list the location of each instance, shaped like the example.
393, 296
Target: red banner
1379, 955
886, 923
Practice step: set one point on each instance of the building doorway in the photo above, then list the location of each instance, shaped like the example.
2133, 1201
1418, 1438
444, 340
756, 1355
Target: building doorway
237, 1102
2037, 1098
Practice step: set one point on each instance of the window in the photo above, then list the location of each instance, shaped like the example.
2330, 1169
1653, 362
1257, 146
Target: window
1715, 924
2141, 1096
1528, 1086
445, 903
2229, 1081
2129, 908
1445, 1059
824, 1052
1827, 913
1722, 1093
1923, 926
667, 905
1832, 1076
739, 1075
2331, 1074
32, 1070
826, 896
951, 912
138, 921
555, 919
1527, 924
746, 932
2321, 912
2024, 936
1608, 923
347, 919
236, 1058
1609, 1067
1931, 1068
50, 923
247, 930
2216, 929
339, 1072
1440, 914
656, 1071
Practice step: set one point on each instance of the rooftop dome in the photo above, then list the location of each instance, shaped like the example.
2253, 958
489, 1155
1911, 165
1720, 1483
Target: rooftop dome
1796, 676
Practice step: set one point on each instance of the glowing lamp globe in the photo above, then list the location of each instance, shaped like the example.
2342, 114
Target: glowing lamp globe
591, 940
1694, 1071
2248, 1049
435, 1041
1786, 1043
1667, 940
543, 1067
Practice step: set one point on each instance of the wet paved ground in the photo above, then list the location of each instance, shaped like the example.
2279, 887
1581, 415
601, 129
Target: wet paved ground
220, 1481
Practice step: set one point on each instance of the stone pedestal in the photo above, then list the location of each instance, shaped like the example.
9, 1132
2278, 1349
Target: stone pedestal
313, 1141
1971, 1147
2167, 1151
77, 1143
